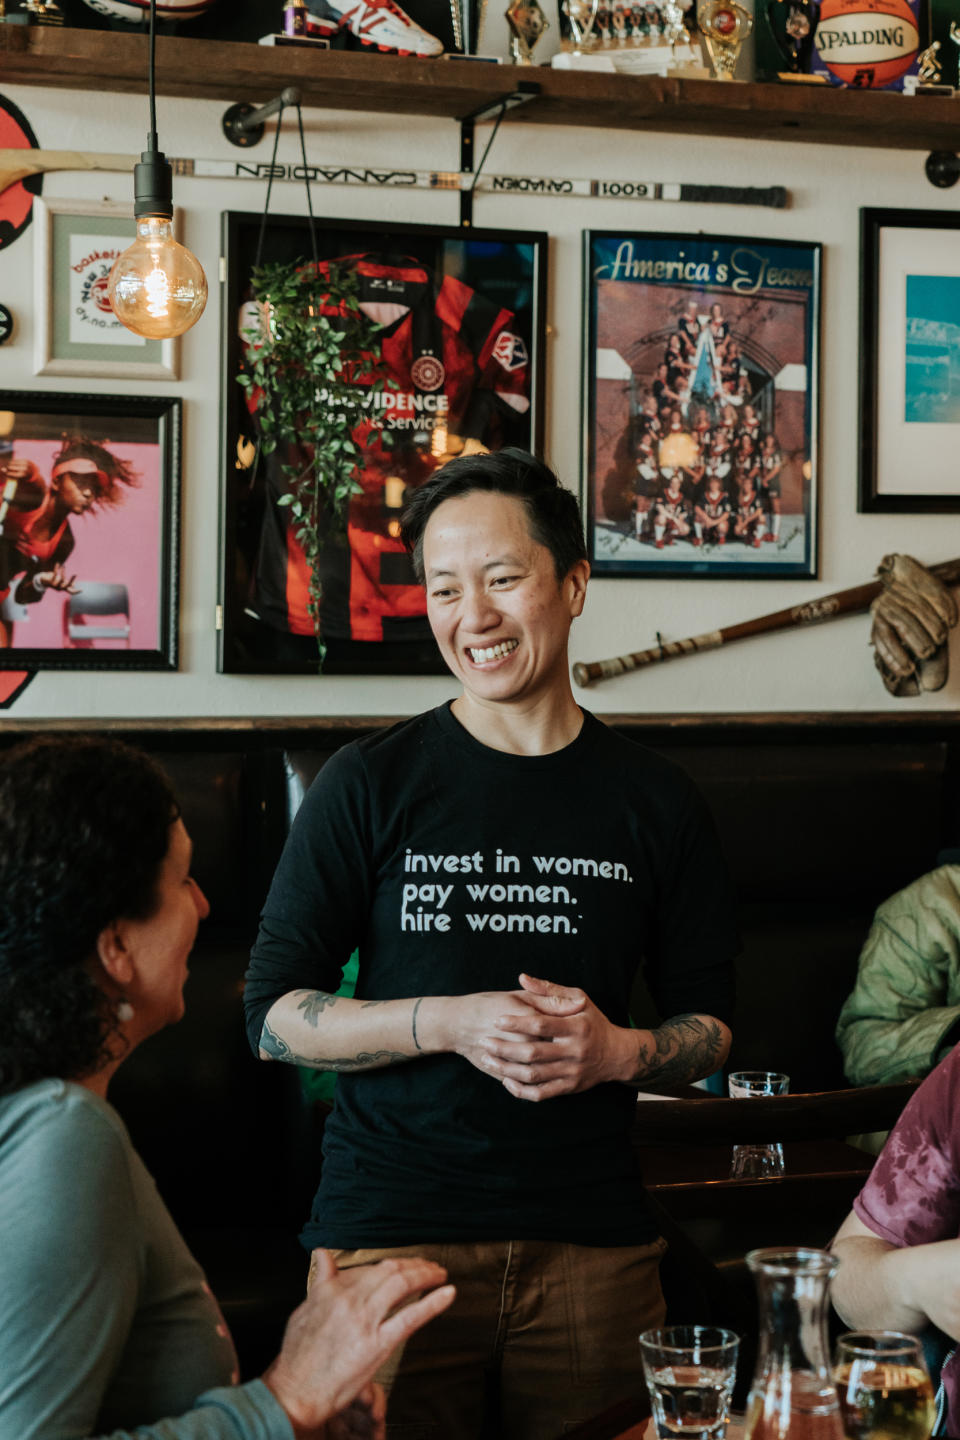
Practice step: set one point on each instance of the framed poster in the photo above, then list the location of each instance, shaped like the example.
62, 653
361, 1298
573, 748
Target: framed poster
459, 318
700, 405
89, 516
77, 332
909, 360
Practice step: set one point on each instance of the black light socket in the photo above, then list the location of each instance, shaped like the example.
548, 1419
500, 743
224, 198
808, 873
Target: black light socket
153, 182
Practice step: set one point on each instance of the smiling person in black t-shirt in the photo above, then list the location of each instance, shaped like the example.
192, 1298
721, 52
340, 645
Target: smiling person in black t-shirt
505, 864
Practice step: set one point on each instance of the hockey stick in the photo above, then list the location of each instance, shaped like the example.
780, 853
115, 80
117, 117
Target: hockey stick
828, 607
22, 164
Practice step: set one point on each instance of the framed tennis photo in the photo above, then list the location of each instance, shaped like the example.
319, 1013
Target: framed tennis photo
909, 361
77, 333
701, 373
451, 361
89, 531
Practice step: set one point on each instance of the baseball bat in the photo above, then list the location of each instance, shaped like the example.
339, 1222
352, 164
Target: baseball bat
813, 612
22, 164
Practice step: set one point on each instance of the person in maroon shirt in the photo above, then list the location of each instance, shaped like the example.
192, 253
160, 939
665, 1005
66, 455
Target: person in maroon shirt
899, 1248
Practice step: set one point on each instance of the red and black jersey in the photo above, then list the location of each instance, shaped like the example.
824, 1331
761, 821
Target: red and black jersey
675, 506
454, 366
21, 552
715, 505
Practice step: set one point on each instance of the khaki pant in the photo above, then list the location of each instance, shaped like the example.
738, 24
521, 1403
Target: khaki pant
540, 1337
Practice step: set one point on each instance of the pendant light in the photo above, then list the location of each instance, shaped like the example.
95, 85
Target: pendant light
157, 287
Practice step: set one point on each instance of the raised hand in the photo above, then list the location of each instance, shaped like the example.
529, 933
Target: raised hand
343, 1332
56, 579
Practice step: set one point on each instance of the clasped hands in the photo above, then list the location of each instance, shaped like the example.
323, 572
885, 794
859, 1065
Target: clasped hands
544, 1040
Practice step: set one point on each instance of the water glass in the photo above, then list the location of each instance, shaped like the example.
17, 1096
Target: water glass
757, 1162
690, 1371
884, 1386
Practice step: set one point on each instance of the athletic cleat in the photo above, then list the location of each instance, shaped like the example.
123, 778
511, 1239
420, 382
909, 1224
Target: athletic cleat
382, 23
770, 539
696, 540
659, 544
756, 543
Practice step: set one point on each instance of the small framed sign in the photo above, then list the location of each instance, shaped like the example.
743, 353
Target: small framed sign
77, 332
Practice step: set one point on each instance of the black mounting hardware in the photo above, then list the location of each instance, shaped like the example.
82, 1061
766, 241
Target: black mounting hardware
244, 124
942, 169
526, 90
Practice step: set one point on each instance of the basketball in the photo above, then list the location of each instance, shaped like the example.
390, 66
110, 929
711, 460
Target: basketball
138, 10
867, 43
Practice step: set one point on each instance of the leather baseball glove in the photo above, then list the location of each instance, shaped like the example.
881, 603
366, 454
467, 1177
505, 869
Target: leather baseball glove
912, 619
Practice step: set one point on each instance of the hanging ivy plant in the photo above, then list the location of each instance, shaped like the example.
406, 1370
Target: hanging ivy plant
313, 363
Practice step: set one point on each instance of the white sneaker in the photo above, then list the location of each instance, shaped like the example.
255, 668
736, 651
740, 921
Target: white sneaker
384, 24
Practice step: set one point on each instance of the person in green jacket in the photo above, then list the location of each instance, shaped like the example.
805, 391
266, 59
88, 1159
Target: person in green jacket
903, 1015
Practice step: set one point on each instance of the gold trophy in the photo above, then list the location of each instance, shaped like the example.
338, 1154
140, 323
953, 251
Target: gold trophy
528, 22
724, 24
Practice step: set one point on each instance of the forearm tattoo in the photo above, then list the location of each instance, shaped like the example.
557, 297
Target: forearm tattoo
686, 1048
314, 1003
275, 1048
413, 1024
311, 1006
366, 1060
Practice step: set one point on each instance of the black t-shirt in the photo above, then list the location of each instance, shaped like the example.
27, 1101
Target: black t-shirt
454, 867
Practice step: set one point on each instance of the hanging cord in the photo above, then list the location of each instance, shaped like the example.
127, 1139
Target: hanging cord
486, 152
306, 181
152, 78
266, 203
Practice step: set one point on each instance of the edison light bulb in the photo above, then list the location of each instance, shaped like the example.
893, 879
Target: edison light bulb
157, 287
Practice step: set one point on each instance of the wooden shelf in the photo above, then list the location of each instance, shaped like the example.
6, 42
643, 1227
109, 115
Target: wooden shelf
449, 89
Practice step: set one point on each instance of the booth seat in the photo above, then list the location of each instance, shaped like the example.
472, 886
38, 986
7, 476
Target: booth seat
821, 817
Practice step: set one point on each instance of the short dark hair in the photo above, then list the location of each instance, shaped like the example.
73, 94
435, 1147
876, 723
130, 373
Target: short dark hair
84, 831
552, 512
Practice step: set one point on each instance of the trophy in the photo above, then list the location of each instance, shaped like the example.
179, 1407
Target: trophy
674, 31
581, 14
793, 24
528, 22
929, 77
44, 12
724, 24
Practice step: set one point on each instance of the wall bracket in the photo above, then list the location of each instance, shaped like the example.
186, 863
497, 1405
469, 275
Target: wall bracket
942, 169
525, 91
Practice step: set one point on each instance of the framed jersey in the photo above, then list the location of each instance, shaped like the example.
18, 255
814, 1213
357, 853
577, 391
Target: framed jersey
701, 361
458, 322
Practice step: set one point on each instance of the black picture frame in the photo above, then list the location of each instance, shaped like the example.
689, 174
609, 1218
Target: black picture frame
500, 266
744, 313
123, 550
909, 362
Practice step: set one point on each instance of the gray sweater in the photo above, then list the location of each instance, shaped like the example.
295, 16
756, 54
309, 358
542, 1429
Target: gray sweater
109, 1327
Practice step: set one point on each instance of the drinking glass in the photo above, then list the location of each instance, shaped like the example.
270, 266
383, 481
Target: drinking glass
884, 1386
756, 1162
689, 1370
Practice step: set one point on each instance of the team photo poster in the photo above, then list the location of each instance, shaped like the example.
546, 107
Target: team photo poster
700, 400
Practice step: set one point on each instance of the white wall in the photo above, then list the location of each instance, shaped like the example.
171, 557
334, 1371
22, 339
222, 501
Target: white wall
825, 668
